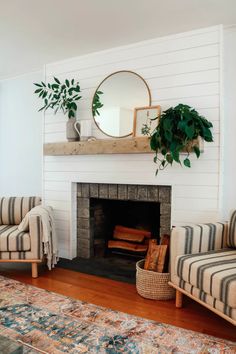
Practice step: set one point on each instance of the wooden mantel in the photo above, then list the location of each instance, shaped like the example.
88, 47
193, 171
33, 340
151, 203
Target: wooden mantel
109, 146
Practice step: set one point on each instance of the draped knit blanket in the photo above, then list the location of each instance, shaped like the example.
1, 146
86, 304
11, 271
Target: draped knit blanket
49, 237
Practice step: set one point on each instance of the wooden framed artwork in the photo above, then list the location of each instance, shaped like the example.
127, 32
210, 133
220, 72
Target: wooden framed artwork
144, 115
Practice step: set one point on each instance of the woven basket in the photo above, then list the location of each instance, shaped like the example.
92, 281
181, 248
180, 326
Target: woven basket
153, 285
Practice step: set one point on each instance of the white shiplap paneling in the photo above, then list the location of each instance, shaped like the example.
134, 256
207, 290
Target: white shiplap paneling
180, 68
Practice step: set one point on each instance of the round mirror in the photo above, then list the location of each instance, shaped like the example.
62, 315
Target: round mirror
114, 102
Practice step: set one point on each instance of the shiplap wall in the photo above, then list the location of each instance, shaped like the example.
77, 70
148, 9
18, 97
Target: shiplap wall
182, 68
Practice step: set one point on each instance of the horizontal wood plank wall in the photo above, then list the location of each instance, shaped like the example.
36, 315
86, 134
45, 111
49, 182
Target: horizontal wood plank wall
179, 68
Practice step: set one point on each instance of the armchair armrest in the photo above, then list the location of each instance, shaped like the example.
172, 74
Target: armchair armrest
196, 239
35, 231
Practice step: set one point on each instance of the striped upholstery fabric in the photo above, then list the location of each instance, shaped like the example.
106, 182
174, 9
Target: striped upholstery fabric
208, 299
36, 249
14, 209
213, 272
231, 240
197, 238
11, 239
202, 265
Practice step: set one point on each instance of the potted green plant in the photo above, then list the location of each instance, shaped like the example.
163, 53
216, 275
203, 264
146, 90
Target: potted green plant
177, 134
62, 96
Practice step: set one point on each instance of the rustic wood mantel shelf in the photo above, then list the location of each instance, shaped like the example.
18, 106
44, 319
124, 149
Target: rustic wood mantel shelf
109, 146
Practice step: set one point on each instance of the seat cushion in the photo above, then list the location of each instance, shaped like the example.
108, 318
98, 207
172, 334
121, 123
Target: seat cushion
213, 272
11, 239
208, 299
231, 237
14, 209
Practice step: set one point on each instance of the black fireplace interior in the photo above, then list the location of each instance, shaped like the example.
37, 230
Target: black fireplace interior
105, 214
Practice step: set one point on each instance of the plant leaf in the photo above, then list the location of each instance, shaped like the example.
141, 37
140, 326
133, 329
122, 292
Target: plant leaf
71, 114
164, 151
74, 106
169, 159
163, 162
38, 90
190, 130
187, 162
55, 86
196, 150
175, 155
207, 134
57, 80
154, 142
168, 135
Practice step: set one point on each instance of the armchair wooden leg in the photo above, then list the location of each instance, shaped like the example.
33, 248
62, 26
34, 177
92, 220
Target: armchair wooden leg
179, 299
34, 270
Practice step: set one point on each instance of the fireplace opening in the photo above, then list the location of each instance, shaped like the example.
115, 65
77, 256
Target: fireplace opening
104, 211
123, 227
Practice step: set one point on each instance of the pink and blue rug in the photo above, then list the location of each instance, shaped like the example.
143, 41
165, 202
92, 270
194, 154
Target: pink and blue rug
51, 323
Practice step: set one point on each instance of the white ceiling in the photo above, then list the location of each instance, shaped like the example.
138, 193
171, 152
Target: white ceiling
33, 32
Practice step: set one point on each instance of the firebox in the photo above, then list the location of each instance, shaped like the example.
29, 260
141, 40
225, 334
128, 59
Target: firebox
101, 208
109, 215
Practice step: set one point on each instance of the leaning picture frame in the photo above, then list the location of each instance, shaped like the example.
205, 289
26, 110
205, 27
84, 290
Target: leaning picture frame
145, 115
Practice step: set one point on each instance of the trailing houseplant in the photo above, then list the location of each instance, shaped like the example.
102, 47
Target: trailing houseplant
61, 96
177, 134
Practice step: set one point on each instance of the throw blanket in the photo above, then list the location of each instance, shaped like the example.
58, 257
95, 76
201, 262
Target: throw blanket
49, 238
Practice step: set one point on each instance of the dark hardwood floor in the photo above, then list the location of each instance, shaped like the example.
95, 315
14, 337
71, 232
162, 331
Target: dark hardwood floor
122, 297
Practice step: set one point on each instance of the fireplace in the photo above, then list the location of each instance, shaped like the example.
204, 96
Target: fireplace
100, 207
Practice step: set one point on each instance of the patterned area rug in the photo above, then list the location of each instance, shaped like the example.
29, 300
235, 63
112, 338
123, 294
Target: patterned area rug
51, 323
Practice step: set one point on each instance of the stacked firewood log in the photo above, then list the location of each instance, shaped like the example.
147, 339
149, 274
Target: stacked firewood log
130, 239
157, 257
140, 242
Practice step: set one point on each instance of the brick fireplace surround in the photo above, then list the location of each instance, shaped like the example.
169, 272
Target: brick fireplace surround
124, 192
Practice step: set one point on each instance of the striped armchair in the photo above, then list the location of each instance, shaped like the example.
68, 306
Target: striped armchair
15, 245
203, 266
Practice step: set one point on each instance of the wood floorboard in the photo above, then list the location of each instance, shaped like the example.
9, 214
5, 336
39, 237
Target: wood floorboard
122, 297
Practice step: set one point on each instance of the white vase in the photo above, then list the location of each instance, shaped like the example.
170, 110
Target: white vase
72, 130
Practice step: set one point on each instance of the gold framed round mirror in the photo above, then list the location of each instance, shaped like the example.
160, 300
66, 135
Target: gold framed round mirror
115, 100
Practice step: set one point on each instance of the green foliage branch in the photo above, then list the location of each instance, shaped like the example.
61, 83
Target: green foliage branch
177, 130
97, 104
59, 95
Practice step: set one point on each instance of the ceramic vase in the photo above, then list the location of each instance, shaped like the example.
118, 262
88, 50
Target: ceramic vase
72, 130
